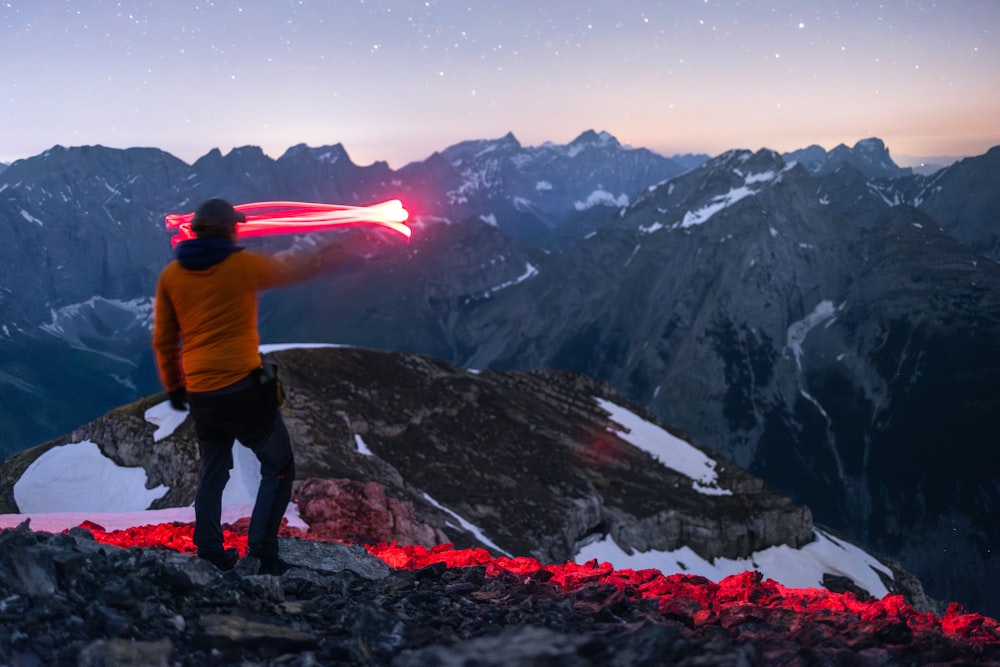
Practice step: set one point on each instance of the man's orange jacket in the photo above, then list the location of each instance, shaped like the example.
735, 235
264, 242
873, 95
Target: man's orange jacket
205, 321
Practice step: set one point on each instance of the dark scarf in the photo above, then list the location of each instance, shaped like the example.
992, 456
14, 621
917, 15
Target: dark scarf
203, 253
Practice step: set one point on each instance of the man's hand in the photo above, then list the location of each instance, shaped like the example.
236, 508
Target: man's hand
178, 399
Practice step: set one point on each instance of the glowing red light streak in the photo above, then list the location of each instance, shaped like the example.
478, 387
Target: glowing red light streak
678, 595
289, 217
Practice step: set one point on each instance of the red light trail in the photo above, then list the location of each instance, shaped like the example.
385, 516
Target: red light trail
678, 595
289, 217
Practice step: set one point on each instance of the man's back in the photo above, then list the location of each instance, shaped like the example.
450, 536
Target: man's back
215, 311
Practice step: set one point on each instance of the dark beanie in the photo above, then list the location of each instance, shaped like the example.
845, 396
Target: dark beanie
215, 215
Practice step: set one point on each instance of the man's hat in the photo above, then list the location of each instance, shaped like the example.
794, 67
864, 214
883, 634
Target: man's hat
215, 215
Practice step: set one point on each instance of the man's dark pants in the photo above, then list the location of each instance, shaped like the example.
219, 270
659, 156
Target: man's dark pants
234, 413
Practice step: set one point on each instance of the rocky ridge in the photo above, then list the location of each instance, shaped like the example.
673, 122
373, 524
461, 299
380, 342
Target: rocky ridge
530, 457
396, 447
69, 599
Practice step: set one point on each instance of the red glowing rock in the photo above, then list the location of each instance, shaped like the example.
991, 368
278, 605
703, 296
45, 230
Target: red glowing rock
738, 601
345, 510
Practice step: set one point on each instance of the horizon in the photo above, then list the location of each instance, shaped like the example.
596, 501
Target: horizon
901, 160
394, 81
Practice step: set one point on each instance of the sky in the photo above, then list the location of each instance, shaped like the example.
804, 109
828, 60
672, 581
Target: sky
397, 80
76, 482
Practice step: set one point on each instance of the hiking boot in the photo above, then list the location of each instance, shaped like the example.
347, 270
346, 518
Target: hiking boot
222, 559
273, 565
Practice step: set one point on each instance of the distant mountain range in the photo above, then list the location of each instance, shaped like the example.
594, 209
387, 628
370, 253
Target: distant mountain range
827, 320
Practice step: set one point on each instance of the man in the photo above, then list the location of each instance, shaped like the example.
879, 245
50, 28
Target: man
207, 350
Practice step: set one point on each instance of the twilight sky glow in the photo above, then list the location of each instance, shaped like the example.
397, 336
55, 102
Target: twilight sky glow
396, 80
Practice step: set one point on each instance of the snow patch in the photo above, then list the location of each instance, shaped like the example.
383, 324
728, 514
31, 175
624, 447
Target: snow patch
762, 177
165, 418
362, 447
601, 198
141, 309
465, 525
797, 331
523, 205
30, 218
73, 483
79, 476
795, 568
666, 448
530, 271
267, 348
719, 203
750, 187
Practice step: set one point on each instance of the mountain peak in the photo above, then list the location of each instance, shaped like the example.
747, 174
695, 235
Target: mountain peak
870, 156
212, 156
871, 144
592, 138
330, 153
475, 148
246, 152
873, 150
295, 150
510, 139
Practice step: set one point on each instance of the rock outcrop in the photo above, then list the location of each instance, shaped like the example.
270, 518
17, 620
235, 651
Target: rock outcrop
407, 448
361, 513
68, 599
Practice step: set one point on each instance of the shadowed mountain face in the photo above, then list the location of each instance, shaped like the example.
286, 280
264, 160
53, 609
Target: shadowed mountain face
851, 362
85, 224
829, 325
